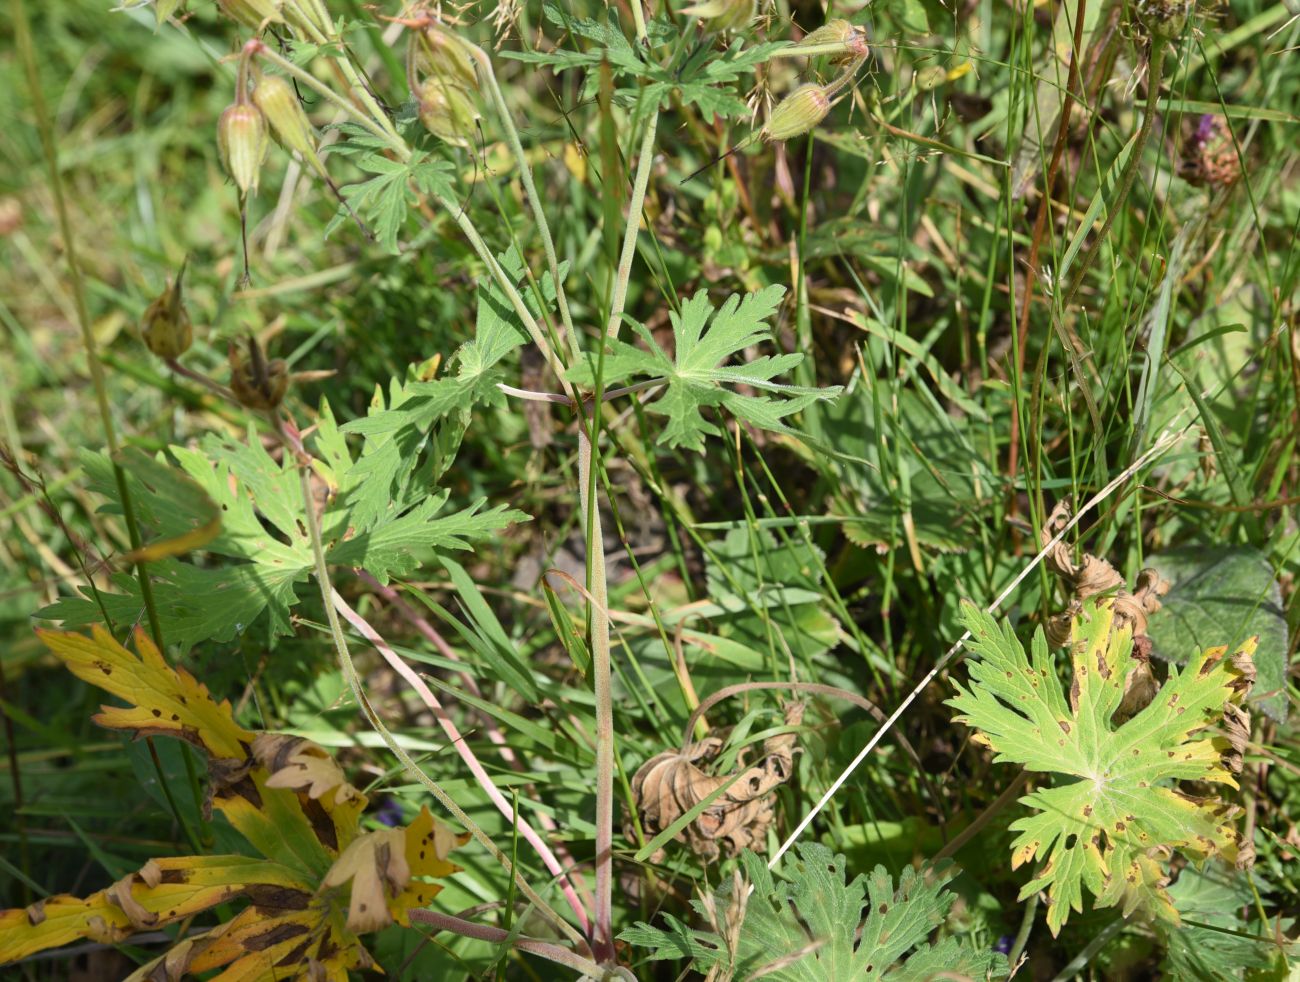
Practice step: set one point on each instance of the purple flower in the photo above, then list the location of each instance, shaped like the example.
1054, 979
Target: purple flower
1003, 947
389, 813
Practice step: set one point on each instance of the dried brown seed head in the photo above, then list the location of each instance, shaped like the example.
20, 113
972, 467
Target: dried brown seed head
256, 382
166, 328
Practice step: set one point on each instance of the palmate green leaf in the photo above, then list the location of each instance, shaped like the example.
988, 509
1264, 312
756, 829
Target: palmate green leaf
699, 377
1113, 803
811, 926
204, 602
385, 515
382, 199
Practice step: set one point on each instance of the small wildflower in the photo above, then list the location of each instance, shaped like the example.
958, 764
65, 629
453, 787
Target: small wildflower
256, 382
241, 139
1210, 156
166, 328
797, 113
389, 813
724, 15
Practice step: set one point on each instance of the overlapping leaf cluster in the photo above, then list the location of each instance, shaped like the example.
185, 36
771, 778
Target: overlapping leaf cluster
383, 510
318, 881
1114, 813
819, 925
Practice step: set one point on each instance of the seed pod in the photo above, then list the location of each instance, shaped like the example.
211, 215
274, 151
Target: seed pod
241, 139
278, 102
724, 15
256, 382
797, 113
166, 328
447, 111
444, 55
853, 41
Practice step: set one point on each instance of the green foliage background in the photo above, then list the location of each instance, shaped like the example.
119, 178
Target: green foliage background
884, 259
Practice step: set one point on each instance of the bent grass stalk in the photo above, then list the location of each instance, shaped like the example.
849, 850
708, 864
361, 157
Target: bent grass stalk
349, 671
457, 740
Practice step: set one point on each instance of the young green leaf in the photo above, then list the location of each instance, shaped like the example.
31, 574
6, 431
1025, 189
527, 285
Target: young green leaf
1114, 805
698, 376
812, 927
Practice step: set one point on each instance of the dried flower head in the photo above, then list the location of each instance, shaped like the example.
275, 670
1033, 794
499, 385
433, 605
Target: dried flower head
256, 382
851, 40
1210, 155
166, 328
797, 113
279, 103
242, 140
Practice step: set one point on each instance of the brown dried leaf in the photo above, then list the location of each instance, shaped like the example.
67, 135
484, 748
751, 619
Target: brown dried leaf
670, 784
1092, 576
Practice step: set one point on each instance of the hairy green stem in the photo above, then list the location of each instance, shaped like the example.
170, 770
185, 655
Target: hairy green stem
534, 946
603, 942
354, 683
512, 294
1131, 168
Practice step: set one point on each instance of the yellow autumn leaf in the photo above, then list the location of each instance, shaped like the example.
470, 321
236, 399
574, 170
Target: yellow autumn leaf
164, 700
161, 892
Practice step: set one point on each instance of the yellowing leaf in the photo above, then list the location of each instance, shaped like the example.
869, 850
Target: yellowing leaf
1115, 813
162, 892
382, 867
288, 798
164, 700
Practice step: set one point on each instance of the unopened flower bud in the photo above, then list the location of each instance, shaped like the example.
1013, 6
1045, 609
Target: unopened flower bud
279, 103
256, 382
166, 328
724, 15
851, 40
241, 138
447, 111
797, 113
444, 55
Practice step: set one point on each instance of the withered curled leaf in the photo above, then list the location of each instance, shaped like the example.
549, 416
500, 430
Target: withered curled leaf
670, 784
1093, 576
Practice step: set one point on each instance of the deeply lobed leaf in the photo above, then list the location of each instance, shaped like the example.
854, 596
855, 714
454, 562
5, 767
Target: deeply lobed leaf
1115, 807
